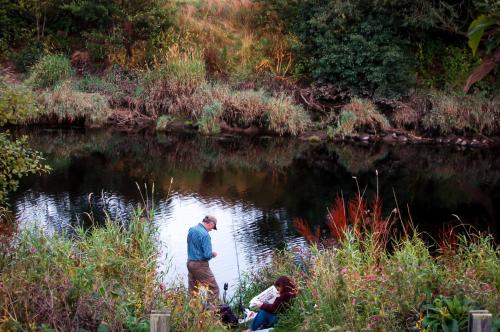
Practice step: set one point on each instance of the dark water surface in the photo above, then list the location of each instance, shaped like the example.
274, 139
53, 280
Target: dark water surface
255, 187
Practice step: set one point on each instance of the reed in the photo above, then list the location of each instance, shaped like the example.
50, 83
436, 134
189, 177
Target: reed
369, 278
100, 277
64, 104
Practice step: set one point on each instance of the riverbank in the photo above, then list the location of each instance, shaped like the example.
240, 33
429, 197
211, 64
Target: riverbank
253, 68
362, 278
218, 109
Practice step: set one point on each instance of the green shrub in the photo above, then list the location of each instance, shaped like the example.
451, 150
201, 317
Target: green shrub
18, 104
442, 66
210, 117
369, 46
362, 45
162, 122
368, 58
457, 66
18, 160
357, 115
95, 45
66, 104
50, 70
447, 314
29, 56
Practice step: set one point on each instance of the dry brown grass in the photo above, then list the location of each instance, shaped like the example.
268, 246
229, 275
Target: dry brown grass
231, 38
168, 88
278, 114
243, 109
462, 114
67, 105
360, 114
405, 116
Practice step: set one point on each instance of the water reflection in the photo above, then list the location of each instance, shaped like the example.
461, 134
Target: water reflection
254, 187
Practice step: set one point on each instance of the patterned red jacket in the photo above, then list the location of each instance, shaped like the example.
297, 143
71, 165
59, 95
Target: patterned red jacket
280, 303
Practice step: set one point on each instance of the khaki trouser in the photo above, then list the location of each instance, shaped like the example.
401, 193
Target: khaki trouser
200, 274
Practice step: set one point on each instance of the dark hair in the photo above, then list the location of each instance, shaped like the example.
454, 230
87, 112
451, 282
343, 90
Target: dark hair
286, 284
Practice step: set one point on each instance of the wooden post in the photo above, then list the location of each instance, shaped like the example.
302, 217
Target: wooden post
480, 321
159, 321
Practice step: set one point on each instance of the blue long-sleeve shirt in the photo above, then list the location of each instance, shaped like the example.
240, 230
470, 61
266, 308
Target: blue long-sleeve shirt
199, 244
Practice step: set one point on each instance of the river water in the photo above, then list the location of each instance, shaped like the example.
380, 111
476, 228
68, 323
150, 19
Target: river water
255, 187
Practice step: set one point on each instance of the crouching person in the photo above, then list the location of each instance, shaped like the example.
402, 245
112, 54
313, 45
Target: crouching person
267, 315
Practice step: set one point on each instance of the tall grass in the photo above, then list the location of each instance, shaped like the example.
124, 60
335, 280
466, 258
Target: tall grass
234, 41
67, 105
103, 278
18, 103
50, 70
366, 280
166, 88
248, 108
359, 114
462, 114
99, 278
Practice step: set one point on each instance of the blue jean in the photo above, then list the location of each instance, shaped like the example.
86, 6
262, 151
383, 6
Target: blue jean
264, 319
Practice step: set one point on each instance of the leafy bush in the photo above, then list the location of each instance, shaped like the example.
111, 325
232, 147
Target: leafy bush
359, 114
447, 314
368, 58
65, 104
18, 104
444, 66
50, 70
17, 161
29, 56
369, 46
358, 44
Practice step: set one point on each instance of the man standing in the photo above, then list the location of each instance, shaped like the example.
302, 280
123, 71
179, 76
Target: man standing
199, 253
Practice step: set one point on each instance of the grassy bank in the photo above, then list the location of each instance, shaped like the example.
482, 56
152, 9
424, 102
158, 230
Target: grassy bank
103, 278
365, 276
357, 288
225, 65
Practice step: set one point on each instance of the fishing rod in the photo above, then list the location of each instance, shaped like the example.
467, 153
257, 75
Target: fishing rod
242, 309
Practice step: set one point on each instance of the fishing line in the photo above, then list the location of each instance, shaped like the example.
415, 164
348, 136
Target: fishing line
242, 309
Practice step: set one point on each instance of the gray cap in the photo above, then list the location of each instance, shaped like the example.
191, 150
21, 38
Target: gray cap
209, 219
